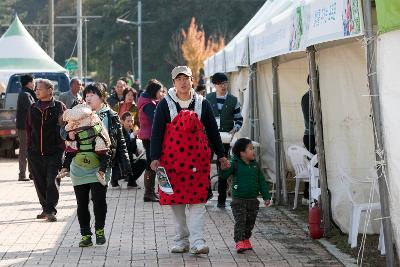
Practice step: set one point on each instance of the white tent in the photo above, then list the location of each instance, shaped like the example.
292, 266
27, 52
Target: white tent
389, 84
19, 53
284, 29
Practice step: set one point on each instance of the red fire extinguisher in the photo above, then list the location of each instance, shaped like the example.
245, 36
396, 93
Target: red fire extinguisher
315, 221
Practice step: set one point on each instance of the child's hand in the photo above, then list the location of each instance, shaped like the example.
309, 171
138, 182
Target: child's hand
268, 203
101, 178
62, 173
71, 135
225, 164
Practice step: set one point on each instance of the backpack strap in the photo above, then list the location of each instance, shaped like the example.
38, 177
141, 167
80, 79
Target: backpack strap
173, 112
198, 106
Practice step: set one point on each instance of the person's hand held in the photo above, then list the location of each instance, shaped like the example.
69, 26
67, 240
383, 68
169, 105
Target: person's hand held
154, 165
268, 203
224, 163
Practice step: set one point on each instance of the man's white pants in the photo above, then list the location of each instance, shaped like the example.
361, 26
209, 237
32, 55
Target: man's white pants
189, 228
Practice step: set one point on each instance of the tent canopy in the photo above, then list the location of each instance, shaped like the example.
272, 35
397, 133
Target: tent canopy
19, 52
288, 26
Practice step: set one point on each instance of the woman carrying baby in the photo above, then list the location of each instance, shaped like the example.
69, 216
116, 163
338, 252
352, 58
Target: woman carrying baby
85, 170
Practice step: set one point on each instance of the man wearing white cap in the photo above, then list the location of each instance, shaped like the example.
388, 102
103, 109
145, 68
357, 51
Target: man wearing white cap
184, 128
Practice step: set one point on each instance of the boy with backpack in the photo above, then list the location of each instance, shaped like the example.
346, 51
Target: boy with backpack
248, 181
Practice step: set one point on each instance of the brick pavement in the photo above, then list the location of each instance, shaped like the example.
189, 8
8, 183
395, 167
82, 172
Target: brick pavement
138, 233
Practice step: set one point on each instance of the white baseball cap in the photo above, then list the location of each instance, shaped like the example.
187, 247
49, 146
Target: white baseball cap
181, 70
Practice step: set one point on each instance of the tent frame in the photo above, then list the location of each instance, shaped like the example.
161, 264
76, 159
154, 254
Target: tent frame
325, 204
380, 155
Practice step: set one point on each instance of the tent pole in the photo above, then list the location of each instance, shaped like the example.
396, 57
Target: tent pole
51, 29
319, 140
79, 37
277, 131
253, 69
378, 136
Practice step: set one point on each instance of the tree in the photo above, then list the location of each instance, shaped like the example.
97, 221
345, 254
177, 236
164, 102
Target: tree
196, 47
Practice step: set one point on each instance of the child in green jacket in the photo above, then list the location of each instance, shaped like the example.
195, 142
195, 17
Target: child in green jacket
247, 183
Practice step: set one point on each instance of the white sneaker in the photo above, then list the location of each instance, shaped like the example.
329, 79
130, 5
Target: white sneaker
179, 249
200, 249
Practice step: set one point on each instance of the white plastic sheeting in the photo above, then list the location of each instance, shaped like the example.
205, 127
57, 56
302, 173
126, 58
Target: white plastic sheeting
206, 68
239, 87
211, 66
266, 117
219, 62
273, 37
347, 126
389, 86
292, 87
230, 65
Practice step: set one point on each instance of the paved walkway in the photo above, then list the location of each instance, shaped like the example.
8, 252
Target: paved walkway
138, 233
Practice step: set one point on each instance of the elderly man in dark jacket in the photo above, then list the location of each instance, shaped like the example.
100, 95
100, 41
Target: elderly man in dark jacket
45, 147
25, 99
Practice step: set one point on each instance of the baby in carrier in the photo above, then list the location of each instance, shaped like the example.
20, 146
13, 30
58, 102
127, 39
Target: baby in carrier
86, 135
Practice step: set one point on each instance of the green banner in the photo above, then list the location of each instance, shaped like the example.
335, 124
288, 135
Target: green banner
388, 12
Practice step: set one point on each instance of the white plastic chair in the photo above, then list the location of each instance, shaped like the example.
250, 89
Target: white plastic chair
358, 208
299, 157
315, 191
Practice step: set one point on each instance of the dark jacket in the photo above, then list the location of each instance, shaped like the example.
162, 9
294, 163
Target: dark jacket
131, 144
230, 115
118, 145
43, 127
113, 100
248, 181
306, 107
25, 99
162, 118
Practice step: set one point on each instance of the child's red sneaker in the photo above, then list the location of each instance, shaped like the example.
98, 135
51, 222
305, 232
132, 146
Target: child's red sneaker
248, 244
240, 246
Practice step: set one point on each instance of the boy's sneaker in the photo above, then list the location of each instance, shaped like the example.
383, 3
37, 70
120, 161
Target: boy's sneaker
200, 249
100, 237
51, 217
248, 244
240, 246
41, 215
86, 241
179, 249
221, 205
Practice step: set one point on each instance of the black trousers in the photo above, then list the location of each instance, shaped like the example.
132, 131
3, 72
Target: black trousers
309, 143
245, 214
97, 192
138, 168
146, 144
222, 183
116, 173
44, 170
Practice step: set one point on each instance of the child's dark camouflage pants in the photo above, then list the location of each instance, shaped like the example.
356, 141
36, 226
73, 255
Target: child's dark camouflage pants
245, 213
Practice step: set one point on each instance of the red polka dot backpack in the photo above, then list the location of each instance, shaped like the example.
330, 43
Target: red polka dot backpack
186, 156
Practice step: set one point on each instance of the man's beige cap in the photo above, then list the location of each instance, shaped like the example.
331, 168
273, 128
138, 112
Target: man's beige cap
181, 70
